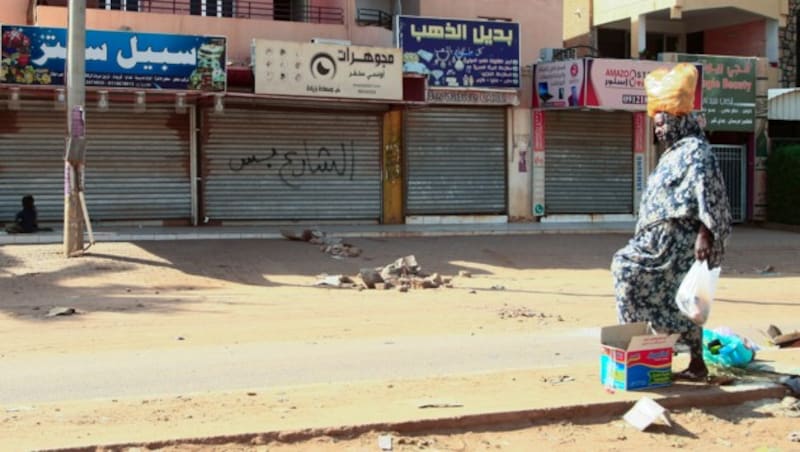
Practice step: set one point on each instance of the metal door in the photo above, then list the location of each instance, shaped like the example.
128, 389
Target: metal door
281, 165
733, 164
589, 162
137, 164
455, 161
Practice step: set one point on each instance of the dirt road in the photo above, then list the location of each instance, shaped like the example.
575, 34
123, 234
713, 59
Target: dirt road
186, 295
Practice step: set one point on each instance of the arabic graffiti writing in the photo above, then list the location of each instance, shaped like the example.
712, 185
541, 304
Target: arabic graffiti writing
391, 161
293, 165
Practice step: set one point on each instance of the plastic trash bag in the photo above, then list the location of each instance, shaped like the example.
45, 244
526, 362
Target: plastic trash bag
726, 350
696, 292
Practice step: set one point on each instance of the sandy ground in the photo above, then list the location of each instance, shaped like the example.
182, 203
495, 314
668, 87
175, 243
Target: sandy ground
761, 426
139, 296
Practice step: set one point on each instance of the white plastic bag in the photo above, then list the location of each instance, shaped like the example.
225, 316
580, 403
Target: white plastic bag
696, 292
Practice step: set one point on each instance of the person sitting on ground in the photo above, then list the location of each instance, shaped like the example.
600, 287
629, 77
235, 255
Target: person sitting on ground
25, 221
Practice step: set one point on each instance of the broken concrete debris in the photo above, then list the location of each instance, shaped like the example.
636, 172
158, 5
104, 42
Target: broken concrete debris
338, 281
403, 274
783, 340
510, 312
60, 311
334, 246
645, 412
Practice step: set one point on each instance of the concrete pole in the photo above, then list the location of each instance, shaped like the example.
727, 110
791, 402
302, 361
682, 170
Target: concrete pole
73, 156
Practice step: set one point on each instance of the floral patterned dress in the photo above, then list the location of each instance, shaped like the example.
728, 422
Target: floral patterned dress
685, 190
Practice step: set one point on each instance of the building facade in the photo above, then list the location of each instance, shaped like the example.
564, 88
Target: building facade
248, 139
744, 47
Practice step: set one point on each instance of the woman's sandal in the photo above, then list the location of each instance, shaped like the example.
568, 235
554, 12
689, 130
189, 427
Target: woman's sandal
690, 375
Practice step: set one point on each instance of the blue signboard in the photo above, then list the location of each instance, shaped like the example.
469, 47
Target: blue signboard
461, 53
115, 59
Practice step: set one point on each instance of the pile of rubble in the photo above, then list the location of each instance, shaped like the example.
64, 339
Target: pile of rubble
403, 274
334, 246
520, 312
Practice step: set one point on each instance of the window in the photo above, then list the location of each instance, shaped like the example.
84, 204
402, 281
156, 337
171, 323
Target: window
213, 8
282, 10
121, 5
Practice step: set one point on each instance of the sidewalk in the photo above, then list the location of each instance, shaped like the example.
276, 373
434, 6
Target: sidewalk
132, 233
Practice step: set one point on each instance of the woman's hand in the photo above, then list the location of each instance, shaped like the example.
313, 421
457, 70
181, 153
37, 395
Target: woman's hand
702, 246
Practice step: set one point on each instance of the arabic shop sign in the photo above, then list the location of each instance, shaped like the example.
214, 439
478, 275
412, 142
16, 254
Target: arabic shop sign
461, 53
115, 59
729, 91
619, 84
303, 69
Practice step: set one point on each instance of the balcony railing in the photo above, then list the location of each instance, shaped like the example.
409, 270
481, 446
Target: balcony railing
242, 9
368, 16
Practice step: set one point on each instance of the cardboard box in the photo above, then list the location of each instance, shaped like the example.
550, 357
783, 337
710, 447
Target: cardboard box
633, 358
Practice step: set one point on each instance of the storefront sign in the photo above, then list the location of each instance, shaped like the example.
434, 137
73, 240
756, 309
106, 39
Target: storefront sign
461, 53
729, 91
115, 59
466, 97
559, 84
619, 84
319, 70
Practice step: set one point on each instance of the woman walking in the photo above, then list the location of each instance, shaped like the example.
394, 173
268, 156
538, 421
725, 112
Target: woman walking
684, 216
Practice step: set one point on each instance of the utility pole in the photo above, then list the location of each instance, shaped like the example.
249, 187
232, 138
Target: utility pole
76, 138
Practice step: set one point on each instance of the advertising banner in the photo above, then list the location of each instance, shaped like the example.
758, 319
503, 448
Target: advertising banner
559, 84
115, 59
459, 53
306, 69
619, 84
729, 91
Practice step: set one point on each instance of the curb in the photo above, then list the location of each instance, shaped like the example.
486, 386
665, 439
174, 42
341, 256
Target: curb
706, 398
110, 237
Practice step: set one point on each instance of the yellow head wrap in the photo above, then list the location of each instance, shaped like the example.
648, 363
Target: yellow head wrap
671, 91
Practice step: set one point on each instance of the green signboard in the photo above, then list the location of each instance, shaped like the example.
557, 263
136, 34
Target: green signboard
729, 91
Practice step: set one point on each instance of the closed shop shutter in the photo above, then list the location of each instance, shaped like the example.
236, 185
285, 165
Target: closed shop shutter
137, 164
455, 161
589, 162
272, 164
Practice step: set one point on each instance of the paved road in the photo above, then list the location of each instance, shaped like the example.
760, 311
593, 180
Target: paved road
190, 369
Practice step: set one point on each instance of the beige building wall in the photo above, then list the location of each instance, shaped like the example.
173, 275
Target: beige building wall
14, 12
577, 22
607, 11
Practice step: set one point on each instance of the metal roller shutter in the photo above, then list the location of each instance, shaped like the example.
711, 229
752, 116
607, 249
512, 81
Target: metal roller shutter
137, 164
262, 164
455, 161
589, 162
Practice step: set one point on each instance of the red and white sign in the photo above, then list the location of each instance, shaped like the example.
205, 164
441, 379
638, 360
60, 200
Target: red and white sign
538, 131
639, 132
619, 84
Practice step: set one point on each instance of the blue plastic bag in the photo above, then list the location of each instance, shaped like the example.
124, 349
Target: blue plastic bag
726, 350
